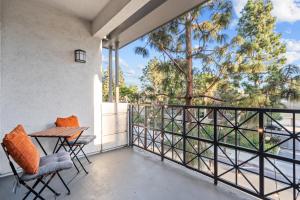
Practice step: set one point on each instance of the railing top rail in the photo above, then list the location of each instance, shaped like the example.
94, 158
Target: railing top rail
282, 110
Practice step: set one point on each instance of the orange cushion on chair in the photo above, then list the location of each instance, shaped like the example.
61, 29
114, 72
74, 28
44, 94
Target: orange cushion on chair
22, 150
71, 121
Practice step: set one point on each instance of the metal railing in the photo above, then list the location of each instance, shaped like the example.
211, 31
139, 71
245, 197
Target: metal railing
252, 149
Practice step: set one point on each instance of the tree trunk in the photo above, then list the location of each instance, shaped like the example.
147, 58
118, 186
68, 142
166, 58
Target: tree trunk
189, 61
189, 85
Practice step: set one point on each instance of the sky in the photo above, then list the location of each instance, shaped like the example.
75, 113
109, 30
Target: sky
287, 13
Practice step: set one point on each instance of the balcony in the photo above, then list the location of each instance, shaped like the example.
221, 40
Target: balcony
178, 152
131, 174
212, 152
254, 150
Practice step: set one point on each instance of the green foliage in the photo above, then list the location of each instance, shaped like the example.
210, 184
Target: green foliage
182, 41
127, 93
247, 71
161, 82
260, 56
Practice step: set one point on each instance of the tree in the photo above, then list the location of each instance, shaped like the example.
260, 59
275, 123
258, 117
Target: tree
105, 85
127, 93
261, 55
193, 36
290, 82
161, 83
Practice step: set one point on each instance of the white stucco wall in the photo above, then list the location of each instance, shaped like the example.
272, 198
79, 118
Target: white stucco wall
40, 79
114, 125
0, 56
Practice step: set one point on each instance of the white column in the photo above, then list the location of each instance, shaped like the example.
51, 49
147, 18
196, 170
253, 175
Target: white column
117, 71
110, 71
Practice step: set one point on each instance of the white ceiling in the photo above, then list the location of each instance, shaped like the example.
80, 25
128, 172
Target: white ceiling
161, 15
124, 20
86, 9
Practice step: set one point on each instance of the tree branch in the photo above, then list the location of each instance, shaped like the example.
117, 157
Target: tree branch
171, 58
194, 97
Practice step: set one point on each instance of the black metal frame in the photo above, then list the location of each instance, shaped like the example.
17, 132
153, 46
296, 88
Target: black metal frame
75, 154
176, 133
62, 142
31, 189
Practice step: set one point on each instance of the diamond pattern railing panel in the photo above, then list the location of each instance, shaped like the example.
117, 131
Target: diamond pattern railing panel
252, 149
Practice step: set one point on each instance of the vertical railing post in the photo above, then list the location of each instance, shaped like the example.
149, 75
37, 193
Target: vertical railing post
235, 144
294, 158
129, 126
162, 132
145, 127
215, 147
261, 154
184, 135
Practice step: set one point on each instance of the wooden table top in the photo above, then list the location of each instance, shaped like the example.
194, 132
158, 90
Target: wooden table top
58, 132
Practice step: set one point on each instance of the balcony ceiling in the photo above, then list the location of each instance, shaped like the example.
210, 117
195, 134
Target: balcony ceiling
81, 8
148, 18
124, 20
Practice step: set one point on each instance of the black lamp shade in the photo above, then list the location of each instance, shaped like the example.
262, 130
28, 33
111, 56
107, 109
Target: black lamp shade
80, 56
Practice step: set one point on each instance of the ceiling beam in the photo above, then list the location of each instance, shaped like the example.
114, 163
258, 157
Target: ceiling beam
145, 10
114, 14
162, 13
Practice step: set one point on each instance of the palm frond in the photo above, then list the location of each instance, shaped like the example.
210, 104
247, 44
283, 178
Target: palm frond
142, 51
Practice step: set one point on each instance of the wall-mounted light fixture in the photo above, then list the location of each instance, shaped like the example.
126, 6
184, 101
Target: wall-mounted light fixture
80, 56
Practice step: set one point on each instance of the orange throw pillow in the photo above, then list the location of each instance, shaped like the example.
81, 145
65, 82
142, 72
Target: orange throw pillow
71, 121
22, 150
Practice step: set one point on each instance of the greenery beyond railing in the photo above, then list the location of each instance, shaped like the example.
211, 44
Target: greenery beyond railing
252, 149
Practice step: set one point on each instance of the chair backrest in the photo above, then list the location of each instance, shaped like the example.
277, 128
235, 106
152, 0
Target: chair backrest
12, 166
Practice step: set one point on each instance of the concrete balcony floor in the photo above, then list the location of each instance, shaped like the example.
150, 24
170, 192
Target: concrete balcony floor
134, 175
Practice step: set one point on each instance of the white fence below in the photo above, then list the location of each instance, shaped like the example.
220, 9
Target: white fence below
114, 125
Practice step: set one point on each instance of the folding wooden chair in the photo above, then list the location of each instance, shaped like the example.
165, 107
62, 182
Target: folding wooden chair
49, 166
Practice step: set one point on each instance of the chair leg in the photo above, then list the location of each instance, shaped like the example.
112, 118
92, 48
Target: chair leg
50, 188
71, 152
75, 156
33, 186
75, 165
81, 165
81, 149
37, 195
63, 182
75, 148
45, 185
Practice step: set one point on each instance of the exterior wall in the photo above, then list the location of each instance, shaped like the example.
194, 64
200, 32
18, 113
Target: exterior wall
0, 58
40, 79
114, 125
